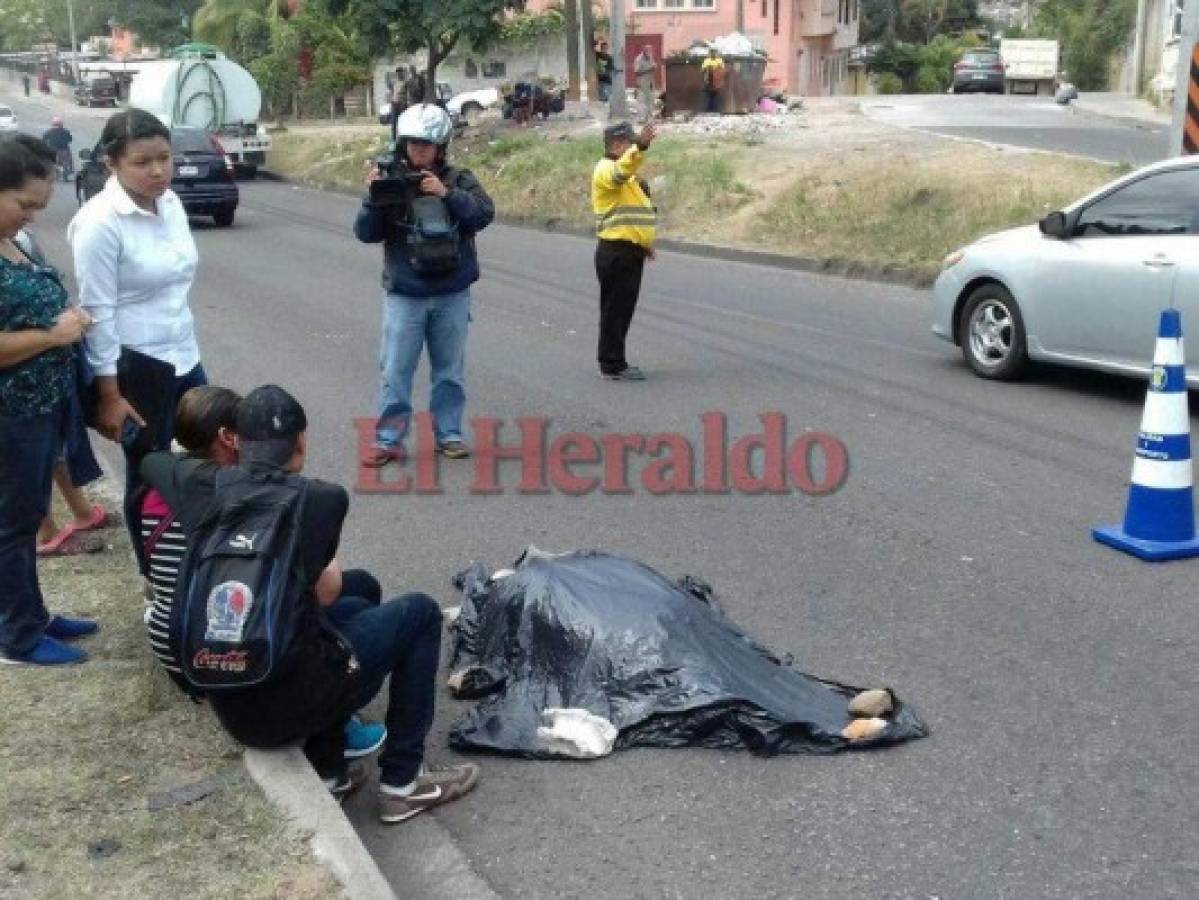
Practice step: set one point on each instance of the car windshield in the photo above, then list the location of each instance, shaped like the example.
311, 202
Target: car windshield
191, 140
5, 112
981, 58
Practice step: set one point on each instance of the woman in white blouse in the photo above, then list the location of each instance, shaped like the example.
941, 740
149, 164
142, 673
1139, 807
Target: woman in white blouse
135, 261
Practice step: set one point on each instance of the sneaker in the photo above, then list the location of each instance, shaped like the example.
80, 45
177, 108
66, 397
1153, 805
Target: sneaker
378, 457
453, 449
628, 373
363, 738
348, 782
433, 787
67, 629
46, 652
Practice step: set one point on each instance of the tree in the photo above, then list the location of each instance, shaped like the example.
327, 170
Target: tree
571, 14
915, 21
1091, 32
435, 26
157, 23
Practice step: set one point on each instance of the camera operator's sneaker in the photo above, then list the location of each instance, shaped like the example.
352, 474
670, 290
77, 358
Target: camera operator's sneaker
628, 373
453, 450
432, 787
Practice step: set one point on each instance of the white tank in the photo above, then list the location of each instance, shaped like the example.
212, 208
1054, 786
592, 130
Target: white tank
205, 91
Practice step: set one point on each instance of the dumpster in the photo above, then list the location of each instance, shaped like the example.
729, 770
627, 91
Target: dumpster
685, 84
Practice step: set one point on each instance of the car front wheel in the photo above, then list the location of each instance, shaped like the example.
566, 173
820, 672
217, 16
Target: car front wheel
992, 334
224, 218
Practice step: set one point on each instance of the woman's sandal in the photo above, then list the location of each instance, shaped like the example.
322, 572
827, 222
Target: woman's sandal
70, 542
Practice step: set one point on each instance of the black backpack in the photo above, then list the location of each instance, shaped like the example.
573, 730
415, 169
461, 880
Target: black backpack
434, 241
240, 588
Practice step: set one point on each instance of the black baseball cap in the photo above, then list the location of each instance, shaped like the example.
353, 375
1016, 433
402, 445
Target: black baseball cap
268, 421
619, 131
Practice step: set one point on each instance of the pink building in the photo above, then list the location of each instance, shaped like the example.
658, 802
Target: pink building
807, 42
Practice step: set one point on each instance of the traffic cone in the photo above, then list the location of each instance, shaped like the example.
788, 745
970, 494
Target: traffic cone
1159, 521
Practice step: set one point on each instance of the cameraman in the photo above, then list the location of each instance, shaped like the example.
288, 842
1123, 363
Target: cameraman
426, 213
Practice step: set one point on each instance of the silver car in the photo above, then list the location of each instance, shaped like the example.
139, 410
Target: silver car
1084, 288
8, 121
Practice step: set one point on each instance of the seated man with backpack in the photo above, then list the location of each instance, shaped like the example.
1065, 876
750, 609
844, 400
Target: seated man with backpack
262, 627
206, 428
426, 214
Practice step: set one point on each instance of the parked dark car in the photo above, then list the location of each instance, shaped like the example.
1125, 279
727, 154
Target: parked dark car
204, 175
979, 70
96, 90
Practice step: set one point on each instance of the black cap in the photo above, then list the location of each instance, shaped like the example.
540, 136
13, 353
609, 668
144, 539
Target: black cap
619, 131
268, 420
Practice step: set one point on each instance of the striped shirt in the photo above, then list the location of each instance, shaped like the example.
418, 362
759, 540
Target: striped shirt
165, 556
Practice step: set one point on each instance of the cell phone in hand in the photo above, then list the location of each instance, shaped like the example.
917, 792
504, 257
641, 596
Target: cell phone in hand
129, 433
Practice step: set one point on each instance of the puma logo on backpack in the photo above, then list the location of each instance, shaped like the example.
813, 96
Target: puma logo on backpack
240, 591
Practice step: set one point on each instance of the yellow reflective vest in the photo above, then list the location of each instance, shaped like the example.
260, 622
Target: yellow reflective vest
623, 211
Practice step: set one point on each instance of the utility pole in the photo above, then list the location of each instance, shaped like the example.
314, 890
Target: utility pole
1184, 132
618, 105
74, 43
1138, 47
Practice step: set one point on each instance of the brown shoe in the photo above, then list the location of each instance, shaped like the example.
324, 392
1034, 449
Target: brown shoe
453, 450
378, 457
433, 788
354, 777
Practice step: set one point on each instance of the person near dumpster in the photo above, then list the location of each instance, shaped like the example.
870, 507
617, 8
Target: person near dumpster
25, 82
39, 334
643, 69
713, 72
344, 647
626, 221
426, 214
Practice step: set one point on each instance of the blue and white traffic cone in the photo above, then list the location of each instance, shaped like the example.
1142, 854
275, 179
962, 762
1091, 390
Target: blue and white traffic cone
1159, 522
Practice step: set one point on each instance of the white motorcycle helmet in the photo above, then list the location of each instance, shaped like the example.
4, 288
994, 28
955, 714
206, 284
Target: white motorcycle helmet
425, 122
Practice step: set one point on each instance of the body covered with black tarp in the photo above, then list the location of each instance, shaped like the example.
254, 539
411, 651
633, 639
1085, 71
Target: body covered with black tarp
659, 660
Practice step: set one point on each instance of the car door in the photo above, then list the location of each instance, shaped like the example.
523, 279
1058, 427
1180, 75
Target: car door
1099, 298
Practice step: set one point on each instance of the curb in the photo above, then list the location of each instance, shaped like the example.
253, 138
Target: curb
1136, 121
835, 267
289, 782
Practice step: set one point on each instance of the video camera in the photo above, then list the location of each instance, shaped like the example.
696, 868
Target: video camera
398, 183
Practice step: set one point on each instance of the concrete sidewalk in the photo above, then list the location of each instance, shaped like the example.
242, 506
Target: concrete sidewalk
1124, 107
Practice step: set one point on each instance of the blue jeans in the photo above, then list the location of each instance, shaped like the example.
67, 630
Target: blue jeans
29, 446
400, 638
409, 323
162, 441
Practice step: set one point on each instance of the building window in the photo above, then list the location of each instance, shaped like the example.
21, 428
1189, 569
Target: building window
704, 4
1176, 24
674, 4
471, 68
647, 4
495, 68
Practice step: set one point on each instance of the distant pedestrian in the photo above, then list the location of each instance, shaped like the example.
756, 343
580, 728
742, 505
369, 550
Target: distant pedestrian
27, 83
417, 89
644, 68
603, 71
626, 222
713, 73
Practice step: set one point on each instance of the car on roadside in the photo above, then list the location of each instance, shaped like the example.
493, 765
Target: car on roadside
979, 69
1085, 287
96, 90
204, 178
8, 121
471, 104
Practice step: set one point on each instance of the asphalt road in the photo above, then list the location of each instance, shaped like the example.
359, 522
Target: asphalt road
955, 565
1036, 123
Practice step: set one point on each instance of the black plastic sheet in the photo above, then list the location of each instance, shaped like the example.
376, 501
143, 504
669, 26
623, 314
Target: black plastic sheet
657, 659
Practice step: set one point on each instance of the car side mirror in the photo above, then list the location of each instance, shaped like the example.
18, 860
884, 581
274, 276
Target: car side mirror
85, 155
1055, 225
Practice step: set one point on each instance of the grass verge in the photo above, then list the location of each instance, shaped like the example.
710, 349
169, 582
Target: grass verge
870, 208
87, 751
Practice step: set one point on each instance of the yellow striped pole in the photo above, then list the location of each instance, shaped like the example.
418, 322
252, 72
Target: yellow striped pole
1190, 124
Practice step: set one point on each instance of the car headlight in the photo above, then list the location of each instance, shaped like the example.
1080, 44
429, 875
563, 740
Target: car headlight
952, 259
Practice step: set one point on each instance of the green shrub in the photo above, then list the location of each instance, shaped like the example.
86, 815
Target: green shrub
929, 81
889, 83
